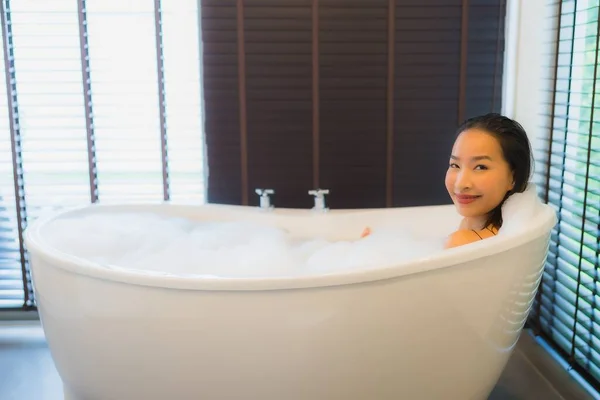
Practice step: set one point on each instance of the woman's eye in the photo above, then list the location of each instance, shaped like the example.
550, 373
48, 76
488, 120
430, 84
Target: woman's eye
481, 167
453, 165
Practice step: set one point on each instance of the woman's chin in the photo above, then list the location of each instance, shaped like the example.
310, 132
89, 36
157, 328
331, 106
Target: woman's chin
466, 211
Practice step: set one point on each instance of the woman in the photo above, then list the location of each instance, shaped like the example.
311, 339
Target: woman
491, 159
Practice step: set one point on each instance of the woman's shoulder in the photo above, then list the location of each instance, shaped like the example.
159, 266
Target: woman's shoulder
462, 237
465, 236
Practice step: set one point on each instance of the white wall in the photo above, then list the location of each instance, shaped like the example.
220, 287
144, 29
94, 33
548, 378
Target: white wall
528, 65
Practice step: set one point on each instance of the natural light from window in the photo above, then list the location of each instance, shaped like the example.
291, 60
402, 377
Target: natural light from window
126, 114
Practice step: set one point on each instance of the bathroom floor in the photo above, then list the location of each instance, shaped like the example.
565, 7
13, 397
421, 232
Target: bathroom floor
27, 371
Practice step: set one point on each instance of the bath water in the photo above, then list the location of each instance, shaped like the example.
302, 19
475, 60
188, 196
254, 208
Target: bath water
181, 246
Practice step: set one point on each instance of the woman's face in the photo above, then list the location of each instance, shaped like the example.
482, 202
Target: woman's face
478, 177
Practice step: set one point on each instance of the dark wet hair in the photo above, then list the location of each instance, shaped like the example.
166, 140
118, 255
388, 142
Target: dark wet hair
516, 150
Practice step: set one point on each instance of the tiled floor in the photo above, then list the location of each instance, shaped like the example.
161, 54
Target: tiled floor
27, 371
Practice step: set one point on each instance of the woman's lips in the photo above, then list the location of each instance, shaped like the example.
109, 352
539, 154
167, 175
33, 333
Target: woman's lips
466, 198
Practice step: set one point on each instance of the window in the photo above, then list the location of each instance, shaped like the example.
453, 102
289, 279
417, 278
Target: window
105, 97
567, 309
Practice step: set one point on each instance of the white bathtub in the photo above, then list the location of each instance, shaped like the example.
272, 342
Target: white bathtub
441, 327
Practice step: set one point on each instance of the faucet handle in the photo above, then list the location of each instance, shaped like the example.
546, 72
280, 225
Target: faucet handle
319, 199
265, 201
264, 192
318, 192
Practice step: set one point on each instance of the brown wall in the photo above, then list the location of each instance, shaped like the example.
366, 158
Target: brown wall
361, 97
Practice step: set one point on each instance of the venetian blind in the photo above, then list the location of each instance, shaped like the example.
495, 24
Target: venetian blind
102, 103
566, 311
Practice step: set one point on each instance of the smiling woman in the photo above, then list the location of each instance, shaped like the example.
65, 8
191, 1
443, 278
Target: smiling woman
490, 160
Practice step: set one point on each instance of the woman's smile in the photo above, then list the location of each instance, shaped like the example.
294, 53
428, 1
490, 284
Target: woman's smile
465, 199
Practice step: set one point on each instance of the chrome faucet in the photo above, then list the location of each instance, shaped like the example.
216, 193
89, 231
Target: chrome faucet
319, 199
265, 200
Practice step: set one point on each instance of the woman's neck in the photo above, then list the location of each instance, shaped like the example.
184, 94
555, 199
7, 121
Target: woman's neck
475, 223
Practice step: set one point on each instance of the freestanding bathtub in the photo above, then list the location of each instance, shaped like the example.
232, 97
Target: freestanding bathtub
440, 327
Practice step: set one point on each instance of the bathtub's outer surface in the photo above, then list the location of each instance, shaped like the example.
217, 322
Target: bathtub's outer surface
444, 333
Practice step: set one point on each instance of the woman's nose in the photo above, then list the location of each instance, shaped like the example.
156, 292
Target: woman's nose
463, 180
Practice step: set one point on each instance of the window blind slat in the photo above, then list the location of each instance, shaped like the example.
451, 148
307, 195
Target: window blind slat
183, 98
573, 233
13, 210
554, 281
125, 98
58, 177
558, 297
577, 158
552, 308
571, 202
100, 111
564, 344
568, 250
574, 138
572, 206
586, 349
567, 306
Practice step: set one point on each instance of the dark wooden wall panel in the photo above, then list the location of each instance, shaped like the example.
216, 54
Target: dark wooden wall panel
353, 81
315, 80
484, 60
221, 98
279, 100
428, 42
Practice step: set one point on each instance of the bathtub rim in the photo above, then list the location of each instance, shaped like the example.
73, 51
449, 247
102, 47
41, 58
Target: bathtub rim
36, 245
